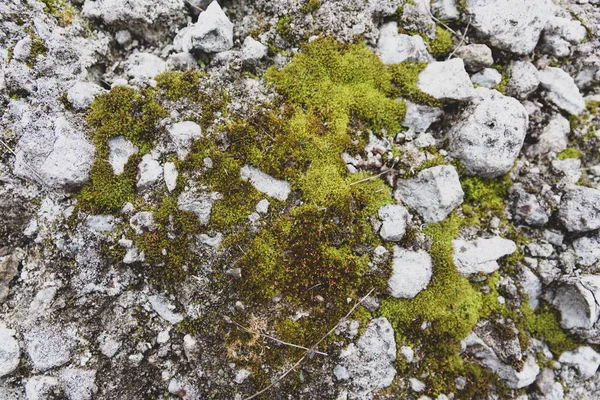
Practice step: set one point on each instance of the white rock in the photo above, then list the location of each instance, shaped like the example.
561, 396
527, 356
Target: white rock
142, 222
488, 78
479, 256
523, 80
570, 30
416, 385
212, 241
584, 359
183, 135
489, 134
60, 155
9, 351
587, 249
266, 183
553, 138
198, 202
394, 47
576, 301
412, 272
78, 384
182, 61
100, 223
170, 174
120, 149
263, 206
510, 25
561, 90
527, 207
241, 376
475, 56
123, 37
212, 33
395, 218
40, 387
531, 286
554, 46
109, 346
434, 193
47, 347
420, 117
370, 362
82, 94
445, 10
253, 50
569, 167
22, 49
165, 309
163, 337
148, 172
143, 66
408, 353
341, 373
446, 80
579, 209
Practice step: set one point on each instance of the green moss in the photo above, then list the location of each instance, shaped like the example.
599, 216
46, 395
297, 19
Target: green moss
59, 9
442, 45
311, 6
543, 324
284, 28
404, 80
484, 197
38, 48
569, 152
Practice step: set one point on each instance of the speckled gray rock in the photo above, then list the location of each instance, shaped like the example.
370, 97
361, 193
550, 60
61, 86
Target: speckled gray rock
265, 183
576, 300
82, 94
9, 351
475, 56
143, 66
199, 202
370, 362
253, 50
394, 220
78, 384
489, 134
567, 29
487, 77
587, 249
434, 193
40, 387
561, 90
119, 151
148, 172
183, 135
47, 347
394, 47
165, 309
445, 10
510, 25
446, 80
527, 207
585, 359
523, 79
170, 175
553, 138
142, 222
212, 33
480, 256
579, 209
420, 117
412, 272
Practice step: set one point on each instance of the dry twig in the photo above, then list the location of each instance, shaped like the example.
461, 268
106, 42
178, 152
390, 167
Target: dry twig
462, 39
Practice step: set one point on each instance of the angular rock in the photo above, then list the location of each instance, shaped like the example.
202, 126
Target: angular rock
148, 172
568, 29
475, 56
587, 249
10, 351
561, 90
183, 135
82, 94
412, 272
119, 151
570, 168
488, 78
420, 117
524, 79
480, 256
40, 387
445, 10
553, 138
143, 66
394, 47
446, 80
585, 359
394, 220
212, 33
170, 174
165, 309
434, 193
198, 202
48, 347
266, 183
416, 17
576, 301
78, 384
526, 207
370, 362
489, 134
554, 46
531, 286
579, 209
253, 50
510, 25
142, 222
100, 223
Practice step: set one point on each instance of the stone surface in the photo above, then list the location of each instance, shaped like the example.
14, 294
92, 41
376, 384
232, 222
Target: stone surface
475, 56
587, 249
148, 172
488, 78
9, 351
8, 270
570, 30
523, 79
480, 256
120, 149
510, 25
445, 10
585, 359
531, 286
47, 347
212, 33
142, 222
489, 134
165, 309
78, 384
394, 220
170, 175
40, 387
183, 135
576, 301
253, 50
553, 138
434, 193
446, 80
412, 272
143, 66
198, 202
370, 362
394, 47
527, 207
579, 209
82, 94
561, 90
266, 183
420, 117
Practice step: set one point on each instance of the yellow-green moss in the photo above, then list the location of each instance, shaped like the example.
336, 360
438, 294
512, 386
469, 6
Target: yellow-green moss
543, 324
59, 9
38, 48
569, 152
284, 28
484, 197
404, 80
311, 6
442, 45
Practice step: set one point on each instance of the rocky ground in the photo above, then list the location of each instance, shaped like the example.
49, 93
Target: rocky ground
299, 199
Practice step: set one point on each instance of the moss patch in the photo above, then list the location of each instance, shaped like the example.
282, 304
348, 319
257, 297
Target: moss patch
543, 324
38, 48
442, 45
569, 152
404, 80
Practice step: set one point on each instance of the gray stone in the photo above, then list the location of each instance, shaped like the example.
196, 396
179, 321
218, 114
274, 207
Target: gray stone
420, 117
475, 56
394, 47
510, 25
553, 138
212, 33
569, 167
183, 135
253, 50
489, 134
434, 193
488, 78
198, 202
587, 249
416, 17
523, 79
527, 207
10, 351
531, 286
144, 66
585, 359
182, 61
579, 209
119, 151
100, 223
263, 206
394, 220
446, 80
170, 175
165, 309
545, 381
108, 345
480, 256
370, 362
241, 376
148, 172
561, 90
40, 387
412, 272
82, 94
416, 385
568, 29
554, 46
341, 373
142, 222
576, 300
266, 183
48, 347
445, 10
78, 384
408, 353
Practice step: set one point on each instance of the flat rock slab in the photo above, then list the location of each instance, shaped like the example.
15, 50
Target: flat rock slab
412, 272
481, 255
265, 183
